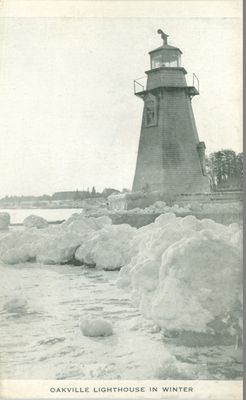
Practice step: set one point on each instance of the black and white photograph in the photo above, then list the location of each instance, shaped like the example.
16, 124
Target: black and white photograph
121, 191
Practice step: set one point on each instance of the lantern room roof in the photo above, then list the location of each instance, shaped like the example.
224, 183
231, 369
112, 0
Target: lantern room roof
165, 47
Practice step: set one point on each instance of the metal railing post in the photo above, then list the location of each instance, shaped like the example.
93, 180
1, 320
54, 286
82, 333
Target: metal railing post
135, 83
195, 78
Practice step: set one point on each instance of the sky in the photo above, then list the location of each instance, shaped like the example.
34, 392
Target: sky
69, 118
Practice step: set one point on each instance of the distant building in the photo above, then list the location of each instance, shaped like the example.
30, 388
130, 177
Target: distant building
70, 195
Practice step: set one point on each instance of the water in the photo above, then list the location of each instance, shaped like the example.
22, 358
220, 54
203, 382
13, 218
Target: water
18, 215
40, 337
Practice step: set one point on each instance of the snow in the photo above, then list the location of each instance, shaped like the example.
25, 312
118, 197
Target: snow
199, 283
15, 306
121, 203
194, 206
236, 240
34, 221
50, 245
108, 248
96, 327
81, 224
57, 249
19, 246
4, 221
184, 274
89, 240
156, 208
187, 274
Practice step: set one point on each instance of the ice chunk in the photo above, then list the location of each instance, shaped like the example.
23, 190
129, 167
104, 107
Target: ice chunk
160, 204
199, 282
34, 221
237, 240
207, 223
186, 274
4, 221
164, 219
49, 245
20, 246
82, 225
94, 327
58, 249
108, 248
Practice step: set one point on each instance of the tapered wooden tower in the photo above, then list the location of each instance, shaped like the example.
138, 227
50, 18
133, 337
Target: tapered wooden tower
170, 158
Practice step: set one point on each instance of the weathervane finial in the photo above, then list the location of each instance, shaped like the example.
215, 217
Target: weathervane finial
164, 36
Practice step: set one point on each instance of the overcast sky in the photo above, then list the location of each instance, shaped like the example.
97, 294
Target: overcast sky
69, 118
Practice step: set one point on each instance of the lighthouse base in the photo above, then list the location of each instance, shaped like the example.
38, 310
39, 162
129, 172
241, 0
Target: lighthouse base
129, 201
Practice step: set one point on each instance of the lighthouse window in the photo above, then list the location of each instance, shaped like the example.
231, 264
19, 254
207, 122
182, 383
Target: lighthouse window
167, 59
169, 64
157, 61
150, 111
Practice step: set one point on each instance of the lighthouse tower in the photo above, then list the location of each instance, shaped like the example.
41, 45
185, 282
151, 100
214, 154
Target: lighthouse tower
171, 159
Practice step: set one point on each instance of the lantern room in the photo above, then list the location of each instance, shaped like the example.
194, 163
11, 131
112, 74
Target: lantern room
165, 56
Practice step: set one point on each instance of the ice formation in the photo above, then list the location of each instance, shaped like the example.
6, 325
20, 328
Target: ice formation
109, 248
161, 206
20, 246
4, 221
51, 245
184, 273
187, 274
183, 208
94, 327
34, 221
57, 249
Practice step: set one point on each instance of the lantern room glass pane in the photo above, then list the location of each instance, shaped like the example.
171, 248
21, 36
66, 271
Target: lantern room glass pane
156, 61
165, 59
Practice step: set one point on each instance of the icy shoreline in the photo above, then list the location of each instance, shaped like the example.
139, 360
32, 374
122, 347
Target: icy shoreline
184, 273
41, 338
174, 311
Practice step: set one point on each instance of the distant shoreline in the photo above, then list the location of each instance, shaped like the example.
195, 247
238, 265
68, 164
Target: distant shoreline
41, 208
57, 222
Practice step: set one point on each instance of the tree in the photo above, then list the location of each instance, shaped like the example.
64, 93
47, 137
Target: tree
93, 191
239, 168
225, 169
76, 195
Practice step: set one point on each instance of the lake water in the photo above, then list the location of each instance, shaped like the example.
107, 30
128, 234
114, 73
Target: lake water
18, 215
40, 337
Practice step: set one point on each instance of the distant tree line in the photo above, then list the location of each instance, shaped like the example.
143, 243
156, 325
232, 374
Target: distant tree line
74, 195
225, 170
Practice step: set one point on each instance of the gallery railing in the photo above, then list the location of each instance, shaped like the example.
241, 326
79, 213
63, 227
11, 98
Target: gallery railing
140, 84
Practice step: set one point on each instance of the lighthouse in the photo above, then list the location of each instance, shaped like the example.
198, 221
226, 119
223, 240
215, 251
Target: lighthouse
171, 159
